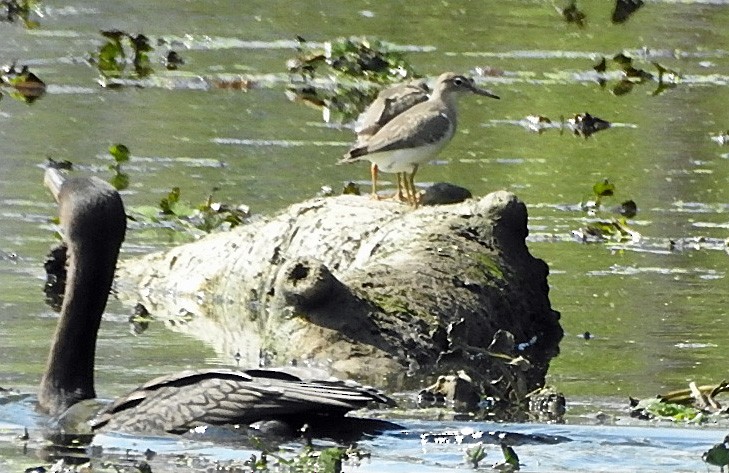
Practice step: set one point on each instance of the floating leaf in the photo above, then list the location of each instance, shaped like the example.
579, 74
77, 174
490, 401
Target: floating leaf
64, 165
637, 74
207, 216
140, 319
355, 57
664, 71
140, 43
623, 60
120, 153
167, 203
173, 60
149, 212
623, 87
330, 460
586, 124
628, 209
27, 80
111, 60
18, 10
603, 189
120, 180
613, 230
653, 408
28, 86
625, 8
662, 87
114, 35
141, 46
351, 189
667, 78
572, 14
601, 66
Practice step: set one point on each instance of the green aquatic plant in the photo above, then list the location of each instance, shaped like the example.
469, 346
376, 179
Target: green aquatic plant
339, 103
572, 14
510, 456
692, 404
581, 124
621, 12
121, 154
601, 227
308, 460
112, 58
601, 189
632, 76
25, 85
475, 454
207, 216
172, 61
655, 408
355, 64
14, 10
353, 57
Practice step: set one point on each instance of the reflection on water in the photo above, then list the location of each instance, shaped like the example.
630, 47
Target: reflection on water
653, 305
434, 446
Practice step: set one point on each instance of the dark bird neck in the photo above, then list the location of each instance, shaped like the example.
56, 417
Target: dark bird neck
94, 223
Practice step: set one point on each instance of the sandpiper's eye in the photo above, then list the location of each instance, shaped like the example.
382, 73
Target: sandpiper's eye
458, 81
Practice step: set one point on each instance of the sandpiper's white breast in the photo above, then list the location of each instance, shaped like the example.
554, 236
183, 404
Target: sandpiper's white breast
404, 160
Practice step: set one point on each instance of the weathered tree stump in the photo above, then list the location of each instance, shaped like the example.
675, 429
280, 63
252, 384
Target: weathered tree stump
367, 289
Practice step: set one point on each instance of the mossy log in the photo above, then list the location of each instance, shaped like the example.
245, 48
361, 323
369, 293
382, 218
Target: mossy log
372, 290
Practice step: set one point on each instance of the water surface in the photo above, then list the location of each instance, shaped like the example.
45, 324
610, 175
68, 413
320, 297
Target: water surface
656, 309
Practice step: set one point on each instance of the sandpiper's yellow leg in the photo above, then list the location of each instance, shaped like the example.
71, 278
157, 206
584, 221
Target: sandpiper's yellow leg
373, 171
410, 187
400, 195
401, 183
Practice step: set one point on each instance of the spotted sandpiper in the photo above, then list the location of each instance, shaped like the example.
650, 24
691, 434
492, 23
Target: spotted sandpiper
388, 104
418, 134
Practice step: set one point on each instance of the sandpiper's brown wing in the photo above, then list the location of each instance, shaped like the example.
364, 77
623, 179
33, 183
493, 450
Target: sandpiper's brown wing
419, 126
390, 103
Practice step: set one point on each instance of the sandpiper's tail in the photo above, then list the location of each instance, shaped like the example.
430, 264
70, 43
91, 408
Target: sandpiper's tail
353, 155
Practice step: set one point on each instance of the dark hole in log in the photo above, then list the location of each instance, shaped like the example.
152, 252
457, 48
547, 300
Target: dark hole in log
299, 272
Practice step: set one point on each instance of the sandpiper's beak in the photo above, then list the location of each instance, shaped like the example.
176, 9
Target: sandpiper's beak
484, 92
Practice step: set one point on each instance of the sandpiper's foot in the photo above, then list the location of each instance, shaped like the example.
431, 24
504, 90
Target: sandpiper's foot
399, 197
402, 194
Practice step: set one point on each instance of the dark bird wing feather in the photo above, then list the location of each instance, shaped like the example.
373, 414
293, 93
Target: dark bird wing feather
189, 399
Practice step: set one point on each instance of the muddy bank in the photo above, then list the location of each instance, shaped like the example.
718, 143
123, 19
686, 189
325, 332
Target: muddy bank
367, 289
